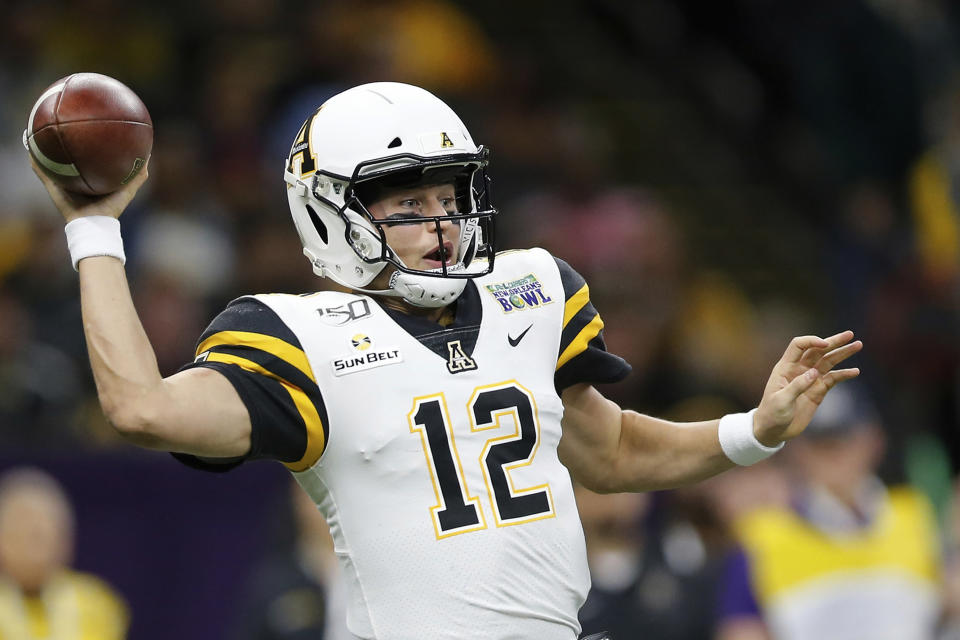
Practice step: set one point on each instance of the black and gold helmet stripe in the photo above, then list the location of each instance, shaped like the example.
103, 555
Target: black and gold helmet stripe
303, 148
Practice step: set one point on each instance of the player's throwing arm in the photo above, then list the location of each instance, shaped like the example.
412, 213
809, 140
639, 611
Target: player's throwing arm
89, 138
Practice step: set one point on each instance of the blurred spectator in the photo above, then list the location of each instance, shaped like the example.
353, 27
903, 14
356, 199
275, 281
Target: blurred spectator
625, 243
849, 558
296, 593
950, 628
39, 385
450, 52
933, 182
648, 574
719, 325
181, 263
136, 43
931, 290
40, 597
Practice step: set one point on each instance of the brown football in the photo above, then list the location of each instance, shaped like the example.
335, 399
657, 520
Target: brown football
90, 133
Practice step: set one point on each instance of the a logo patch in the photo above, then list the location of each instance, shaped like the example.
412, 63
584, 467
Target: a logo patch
458, 360
445, 140
341, 315
525, 293
365, 359
361, 342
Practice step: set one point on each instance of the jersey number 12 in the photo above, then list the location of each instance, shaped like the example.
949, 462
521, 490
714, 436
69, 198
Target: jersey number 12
457, 511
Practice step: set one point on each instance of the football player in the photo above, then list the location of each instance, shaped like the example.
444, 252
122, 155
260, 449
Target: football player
438, 405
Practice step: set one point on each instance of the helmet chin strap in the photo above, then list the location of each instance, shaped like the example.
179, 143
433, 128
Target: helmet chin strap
420, 291
424, 291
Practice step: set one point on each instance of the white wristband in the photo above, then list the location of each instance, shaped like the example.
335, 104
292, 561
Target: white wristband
94, 236
738, 441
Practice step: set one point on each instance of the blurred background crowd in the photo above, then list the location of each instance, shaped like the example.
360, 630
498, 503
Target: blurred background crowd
725, 176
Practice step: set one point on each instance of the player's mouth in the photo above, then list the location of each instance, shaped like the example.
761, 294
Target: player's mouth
436, 258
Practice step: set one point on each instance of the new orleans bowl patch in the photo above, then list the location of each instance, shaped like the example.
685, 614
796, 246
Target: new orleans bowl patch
525, 293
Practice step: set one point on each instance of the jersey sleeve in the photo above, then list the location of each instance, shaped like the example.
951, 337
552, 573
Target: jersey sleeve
583, 356
252, 347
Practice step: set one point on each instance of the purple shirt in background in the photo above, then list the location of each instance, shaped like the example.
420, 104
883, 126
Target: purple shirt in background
736, 597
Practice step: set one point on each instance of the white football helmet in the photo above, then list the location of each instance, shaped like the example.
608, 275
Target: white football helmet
373, 136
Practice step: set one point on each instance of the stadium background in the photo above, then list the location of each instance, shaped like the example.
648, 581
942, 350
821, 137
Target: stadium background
725, 176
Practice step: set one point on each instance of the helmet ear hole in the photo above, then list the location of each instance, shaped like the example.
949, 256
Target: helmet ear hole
318, 224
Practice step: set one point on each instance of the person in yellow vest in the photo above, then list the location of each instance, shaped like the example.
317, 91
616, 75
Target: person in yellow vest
40, 597
849, 558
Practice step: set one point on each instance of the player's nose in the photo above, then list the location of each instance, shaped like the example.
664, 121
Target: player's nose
450, 229
433, 207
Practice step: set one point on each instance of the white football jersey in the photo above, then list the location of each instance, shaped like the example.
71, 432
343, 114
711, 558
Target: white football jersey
431, 450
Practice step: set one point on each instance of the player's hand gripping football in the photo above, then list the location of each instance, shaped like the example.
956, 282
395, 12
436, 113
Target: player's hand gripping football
798, 384
75, 205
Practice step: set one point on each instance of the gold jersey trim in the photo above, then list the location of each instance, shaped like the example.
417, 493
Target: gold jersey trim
579, 344
316, 442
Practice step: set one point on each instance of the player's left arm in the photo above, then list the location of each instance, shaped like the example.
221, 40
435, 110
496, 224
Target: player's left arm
608, 449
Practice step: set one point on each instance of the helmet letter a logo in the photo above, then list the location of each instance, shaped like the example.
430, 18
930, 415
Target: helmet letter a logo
304, 150
445, 140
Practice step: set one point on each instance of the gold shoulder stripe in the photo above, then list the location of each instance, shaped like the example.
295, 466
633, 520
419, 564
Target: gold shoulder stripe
315, 438
579, 344
576, 302
276, 346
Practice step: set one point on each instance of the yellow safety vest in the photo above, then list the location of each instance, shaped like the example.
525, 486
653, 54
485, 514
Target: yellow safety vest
74, 606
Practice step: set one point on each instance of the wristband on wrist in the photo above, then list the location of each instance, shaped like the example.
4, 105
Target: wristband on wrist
738, 441
94, 236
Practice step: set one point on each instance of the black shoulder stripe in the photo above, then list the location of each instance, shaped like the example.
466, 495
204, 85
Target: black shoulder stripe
572, 281
274, 364
250, 315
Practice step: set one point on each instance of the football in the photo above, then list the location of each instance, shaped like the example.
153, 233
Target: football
90, 133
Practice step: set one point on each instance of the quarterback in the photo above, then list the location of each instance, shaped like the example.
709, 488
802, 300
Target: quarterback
438, 404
